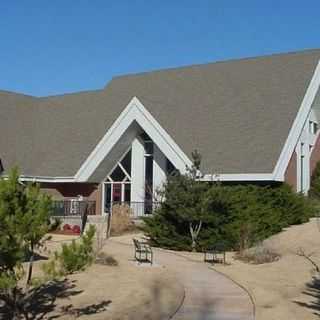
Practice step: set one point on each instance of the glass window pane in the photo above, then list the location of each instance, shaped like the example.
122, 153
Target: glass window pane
117, 174
315, 127
170, 167
310, 127
149, 178
127, 192
117, 192
126, 162
148, 147
107, 197
145, 137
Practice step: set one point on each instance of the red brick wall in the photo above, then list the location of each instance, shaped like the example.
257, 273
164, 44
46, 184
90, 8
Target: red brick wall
60, 191
315, 155
290, 176
291, 172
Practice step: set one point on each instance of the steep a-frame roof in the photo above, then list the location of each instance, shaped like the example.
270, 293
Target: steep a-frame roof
237, 113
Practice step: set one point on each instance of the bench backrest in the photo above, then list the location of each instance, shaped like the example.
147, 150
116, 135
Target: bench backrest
136, 243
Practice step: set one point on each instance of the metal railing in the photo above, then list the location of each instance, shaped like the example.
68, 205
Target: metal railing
73, 207
137, 209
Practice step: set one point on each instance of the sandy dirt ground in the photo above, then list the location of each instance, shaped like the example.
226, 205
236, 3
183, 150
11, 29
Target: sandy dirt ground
287, 288
281, 290
208, 294
126, 291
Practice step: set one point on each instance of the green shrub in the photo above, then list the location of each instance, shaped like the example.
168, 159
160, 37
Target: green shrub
179, 220
55, 224
292, 207
237, 216
73, 257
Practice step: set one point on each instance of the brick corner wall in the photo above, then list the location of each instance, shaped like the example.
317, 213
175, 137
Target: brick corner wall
290, 176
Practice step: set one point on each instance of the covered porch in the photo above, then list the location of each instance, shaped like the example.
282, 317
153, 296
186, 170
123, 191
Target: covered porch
74, 208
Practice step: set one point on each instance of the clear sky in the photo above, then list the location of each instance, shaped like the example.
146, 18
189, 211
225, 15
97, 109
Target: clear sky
56, 46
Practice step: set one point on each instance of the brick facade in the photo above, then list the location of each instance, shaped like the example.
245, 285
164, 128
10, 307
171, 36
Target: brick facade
290, 176
291, 172
315, 155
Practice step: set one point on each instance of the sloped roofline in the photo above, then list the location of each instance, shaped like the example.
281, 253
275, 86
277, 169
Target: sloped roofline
223, 61
165, 69
297, 126
136, 111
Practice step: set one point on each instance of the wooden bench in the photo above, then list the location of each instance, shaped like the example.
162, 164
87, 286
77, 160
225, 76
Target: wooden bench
142, 251
216, 254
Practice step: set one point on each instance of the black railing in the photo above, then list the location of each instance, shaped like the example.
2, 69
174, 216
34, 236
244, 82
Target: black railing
73, 207
136, 209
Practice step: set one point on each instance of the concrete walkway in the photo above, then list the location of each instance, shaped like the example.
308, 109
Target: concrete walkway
208, 294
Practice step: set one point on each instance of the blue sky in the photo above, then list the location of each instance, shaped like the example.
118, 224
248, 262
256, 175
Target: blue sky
52, 47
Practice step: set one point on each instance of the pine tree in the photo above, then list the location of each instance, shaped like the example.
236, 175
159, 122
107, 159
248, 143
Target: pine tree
23, 223
179, 220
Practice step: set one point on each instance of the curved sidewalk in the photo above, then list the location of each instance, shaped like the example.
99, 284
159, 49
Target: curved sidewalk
208, 294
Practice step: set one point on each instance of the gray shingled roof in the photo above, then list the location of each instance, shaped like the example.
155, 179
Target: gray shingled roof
236, 113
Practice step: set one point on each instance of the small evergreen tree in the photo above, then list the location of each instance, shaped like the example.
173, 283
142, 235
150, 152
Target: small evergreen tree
23, 223
73, 257
179, 220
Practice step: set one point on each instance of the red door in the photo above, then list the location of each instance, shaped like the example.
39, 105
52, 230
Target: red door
116, 194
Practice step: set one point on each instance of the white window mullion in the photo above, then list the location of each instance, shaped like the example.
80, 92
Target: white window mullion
122, 192
124, 170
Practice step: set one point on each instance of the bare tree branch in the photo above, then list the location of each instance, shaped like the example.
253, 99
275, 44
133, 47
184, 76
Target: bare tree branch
301, 253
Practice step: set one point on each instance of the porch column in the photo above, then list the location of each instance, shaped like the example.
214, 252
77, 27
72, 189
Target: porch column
137, 171
159, 169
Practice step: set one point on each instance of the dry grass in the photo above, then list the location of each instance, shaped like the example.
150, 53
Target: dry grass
258, 255
106, 259
121, 221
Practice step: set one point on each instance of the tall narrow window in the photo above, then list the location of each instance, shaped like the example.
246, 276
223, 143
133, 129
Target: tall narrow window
315, 128
107, 201
301, 168
127, 192
149, 178
310, 126
148, 154
170, 168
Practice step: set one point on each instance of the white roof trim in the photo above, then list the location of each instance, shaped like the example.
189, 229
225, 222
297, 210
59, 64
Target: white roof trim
47, 179
134, 111
296, 129
238, 177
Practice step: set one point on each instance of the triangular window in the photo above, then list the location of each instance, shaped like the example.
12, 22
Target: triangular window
122, 171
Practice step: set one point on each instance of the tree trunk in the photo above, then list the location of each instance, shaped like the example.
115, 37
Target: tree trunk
15, 311
194, 231
30, 266
109, 224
